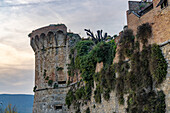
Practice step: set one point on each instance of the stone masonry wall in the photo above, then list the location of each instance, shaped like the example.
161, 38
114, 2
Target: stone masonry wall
51, 45
166, 84
47, 101
113, 106
157, 17
50, 55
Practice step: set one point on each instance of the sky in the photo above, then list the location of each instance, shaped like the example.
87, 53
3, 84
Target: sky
19, 17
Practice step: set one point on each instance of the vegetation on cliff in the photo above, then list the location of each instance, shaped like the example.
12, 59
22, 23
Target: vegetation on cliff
9, 109
84, 57
141, 69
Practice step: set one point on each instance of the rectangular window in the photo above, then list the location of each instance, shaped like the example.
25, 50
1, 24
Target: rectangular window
58, 107
61, 82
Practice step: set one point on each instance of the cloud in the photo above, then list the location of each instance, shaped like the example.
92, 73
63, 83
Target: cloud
11, 56
13, 81
16, 70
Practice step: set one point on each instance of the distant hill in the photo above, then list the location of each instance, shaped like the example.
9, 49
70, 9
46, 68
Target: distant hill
23, 103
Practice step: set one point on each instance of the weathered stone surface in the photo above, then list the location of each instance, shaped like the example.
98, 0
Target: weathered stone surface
166, 84
158, 18
51, 45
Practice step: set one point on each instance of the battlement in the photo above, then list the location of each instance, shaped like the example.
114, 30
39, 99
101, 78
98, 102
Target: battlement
45, 30
48, 37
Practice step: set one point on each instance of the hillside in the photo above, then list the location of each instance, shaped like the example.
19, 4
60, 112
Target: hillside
23, 103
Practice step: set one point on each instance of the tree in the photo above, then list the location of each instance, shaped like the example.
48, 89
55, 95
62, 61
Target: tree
9, 109
98, 37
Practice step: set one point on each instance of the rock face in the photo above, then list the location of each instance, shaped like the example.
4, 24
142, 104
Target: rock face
51, 45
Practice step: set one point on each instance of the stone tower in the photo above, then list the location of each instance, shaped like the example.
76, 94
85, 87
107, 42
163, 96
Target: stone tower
51, 46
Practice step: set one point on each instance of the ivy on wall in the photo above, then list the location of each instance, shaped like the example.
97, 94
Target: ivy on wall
84, 57
141, 69
142, 73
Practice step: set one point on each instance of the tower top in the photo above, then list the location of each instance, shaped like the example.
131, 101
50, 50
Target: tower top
51, 28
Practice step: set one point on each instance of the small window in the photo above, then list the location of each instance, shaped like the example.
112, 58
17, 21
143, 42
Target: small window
61, 82
58, 107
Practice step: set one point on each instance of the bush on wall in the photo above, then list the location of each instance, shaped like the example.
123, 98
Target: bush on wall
141, 68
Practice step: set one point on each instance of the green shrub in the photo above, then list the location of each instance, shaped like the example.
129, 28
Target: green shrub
97, 94
47, 78
79, 93
148, 68
158, 64
55, 85
106, 94
69, 98
144, 32
50, 82
88, 110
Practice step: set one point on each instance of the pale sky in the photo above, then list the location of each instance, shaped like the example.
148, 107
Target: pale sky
19, 17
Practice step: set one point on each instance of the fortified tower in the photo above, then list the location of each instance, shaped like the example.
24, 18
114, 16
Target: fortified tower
51, 46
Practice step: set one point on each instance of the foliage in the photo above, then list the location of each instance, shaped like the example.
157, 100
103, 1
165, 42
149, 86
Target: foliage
9, 109
80, 93
158, 64
84, 57
106, 94
140, 69
50, 82
104, 52
98, 37
69, 98
126, 44
55, 85
47, 78
88, 110
144, 32
145, 69
97, 94
151, 102
82, 48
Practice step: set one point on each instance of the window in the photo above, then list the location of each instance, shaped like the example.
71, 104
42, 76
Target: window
58, 107
61, 82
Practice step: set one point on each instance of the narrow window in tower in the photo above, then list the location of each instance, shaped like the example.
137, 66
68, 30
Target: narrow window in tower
58, 108
61, 82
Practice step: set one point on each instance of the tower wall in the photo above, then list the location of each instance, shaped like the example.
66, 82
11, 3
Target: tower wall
51, 45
